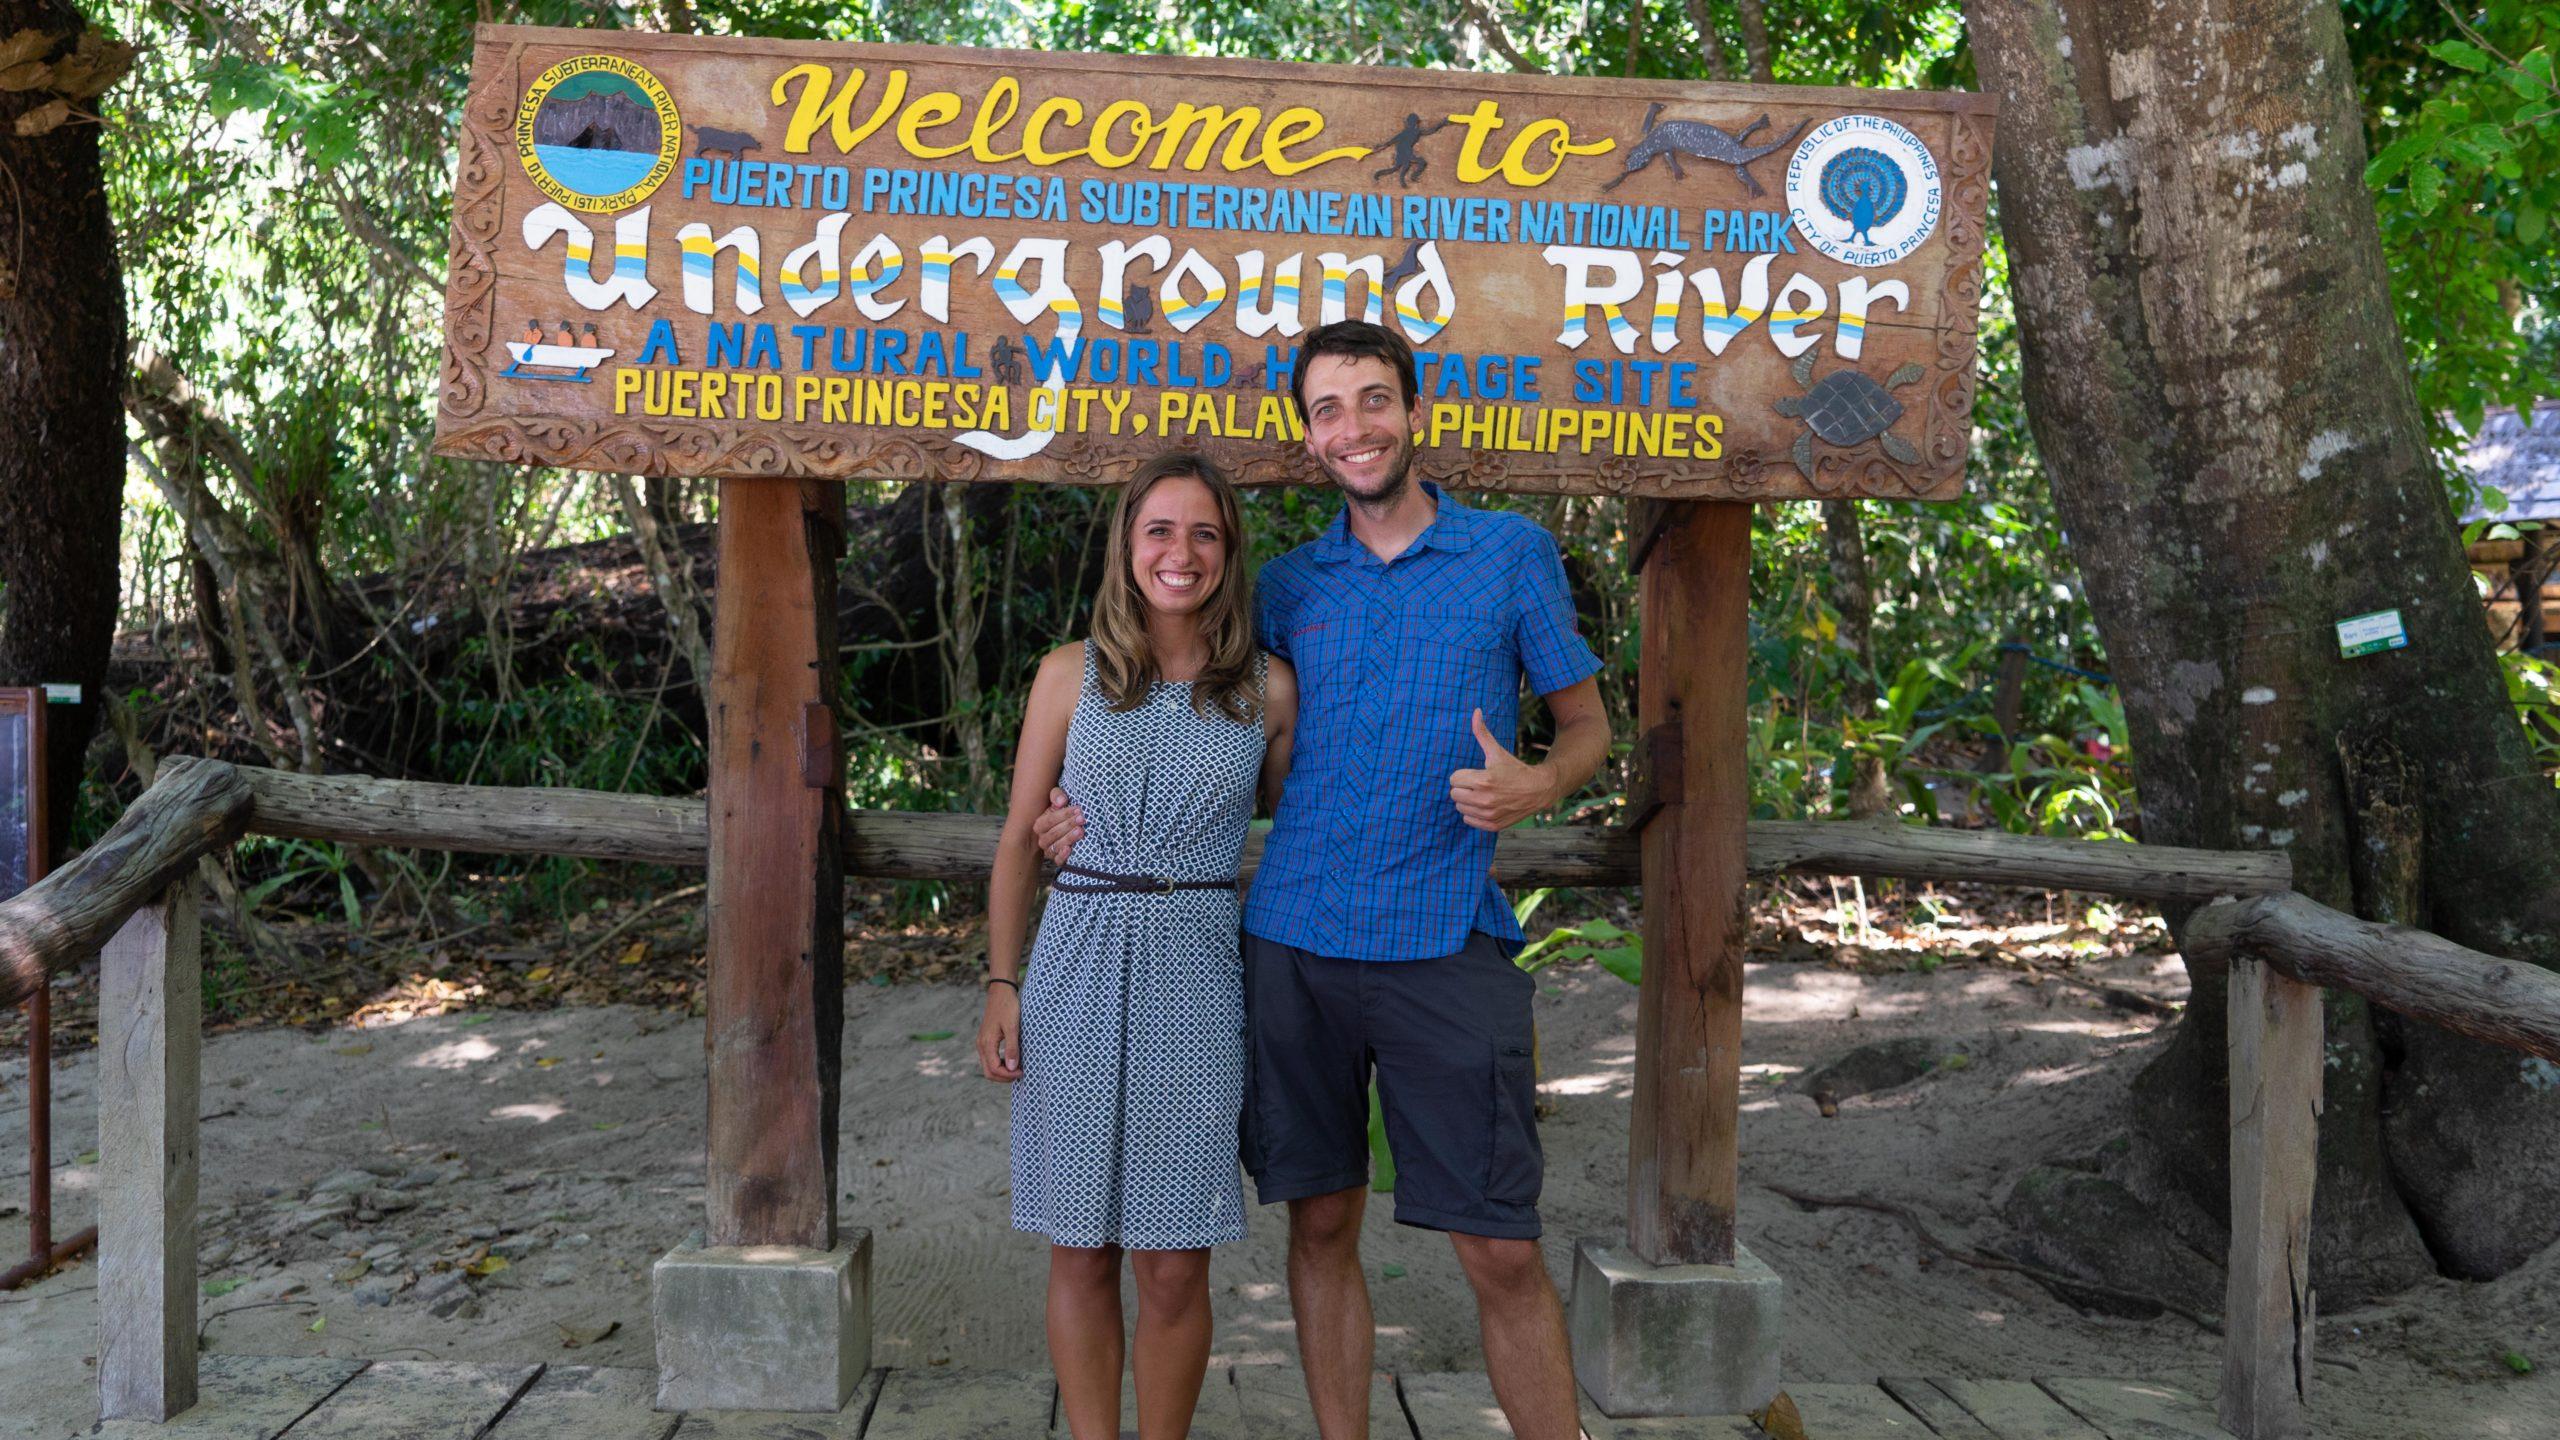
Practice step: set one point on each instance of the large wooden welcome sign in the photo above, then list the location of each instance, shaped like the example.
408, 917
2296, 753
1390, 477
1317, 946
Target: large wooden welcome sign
684, 255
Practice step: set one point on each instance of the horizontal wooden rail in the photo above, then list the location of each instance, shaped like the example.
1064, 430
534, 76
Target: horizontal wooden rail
2423, 976
199, 806
483, 819
929, 845
194, 808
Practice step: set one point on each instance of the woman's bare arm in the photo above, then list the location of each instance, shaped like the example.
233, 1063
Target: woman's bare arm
1279, 729
1038, 758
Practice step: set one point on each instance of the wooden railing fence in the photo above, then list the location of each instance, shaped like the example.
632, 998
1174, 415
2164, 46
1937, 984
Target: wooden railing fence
131, 899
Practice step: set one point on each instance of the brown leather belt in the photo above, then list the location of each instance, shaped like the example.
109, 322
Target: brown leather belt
1103, 882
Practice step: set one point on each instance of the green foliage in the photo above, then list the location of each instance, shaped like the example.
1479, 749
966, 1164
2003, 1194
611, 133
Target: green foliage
2463, 117
303, 863
1382, 1160
1616, 949
2533, 685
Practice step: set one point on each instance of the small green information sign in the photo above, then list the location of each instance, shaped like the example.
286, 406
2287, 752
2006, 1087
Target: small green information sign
2366, 634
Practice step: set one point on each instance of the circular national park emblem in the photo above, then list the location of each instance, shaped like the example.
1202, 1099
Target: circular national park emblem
1863, 190
598, 132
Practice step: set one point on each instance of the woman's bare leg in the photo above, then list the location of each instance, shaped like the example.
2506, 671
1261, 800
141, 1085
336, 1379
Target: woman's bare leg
1084, 1337
1173, 1339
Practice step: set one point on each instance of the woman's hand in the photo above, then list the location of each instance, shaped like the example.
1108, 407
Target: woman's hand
1000, 1035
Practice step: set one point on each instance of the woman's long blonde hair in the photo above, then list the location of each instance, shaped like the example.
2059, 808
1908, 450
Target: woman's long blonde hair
1124, 660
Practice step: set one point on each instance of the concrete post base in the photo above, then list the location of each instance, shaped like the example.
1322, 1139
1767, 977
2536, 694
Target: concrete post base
1673, 1339
762, 1327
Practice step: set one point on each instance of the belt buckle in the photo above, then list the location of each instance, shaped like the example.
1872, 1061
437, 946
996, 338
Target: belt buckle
1167, 883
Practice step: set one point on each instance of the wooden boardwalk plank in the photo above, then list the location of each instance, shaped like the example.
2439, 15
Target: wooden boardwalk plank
945, 1404
417, 1400
1936, 1409
2138, 1409
2017, 1410
1683, 1427
246, 1397
1854, 1412
1460, 1406
1451, 1407
588, 1402
1272, 1399
844, 1424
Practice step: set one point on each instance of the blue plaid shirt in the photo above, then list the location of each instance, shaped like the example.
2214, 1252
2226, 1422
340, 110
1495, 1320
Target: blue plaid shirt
1368, 858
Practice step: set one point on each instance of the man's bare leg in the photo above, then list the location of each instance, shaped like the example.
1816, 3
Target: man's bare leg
1337, 1339
1524, 1344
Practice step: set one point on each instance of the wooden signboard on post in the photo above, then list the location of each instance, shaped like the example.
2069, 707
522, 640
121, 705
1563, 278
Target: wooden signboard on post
686, 255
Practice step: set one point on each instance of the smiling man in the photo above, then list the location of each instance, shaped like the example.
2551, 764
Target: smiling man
1376, 942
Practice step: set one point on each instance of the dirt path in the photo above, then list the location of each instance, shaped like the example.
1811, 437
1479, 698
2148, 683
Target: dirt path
354, 1180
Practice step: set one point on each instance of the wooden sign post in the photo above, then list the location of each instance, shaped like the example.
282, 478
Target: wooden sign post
783, 262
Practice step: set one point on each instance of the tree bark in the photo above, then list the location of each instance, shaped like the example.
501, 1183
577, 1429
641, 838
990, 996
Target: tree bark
1710, 41
2218, 387
1756, 57
62, 336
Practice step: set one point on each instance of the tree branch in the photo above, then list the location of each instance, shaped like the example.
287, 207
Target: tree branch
1710, 40
1755, 41
1486, 25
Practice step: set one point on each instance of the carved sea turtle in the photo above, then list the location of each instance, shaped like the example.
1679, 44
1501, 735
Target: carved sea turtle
1847, 408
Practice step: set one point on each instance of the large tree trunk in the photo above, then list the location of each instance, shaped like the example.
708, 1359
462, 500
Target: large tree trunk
61, 430
2223, 403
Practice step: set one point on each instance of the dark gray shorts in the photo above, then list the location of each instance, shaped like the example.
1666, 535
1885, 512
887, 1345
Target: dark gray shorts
1449, 1041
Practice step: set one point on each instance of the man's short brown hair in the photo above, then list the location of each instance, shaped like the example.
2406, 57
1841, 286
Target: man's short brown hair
1360, 340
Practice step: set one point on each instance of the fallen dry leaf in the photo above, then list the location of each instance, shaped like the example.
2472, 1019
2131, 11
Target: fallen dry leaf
1780, 1419
487, 1265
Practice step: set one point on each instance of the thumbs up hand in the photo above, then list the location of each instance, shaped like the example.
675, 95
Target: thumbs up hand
1505, 792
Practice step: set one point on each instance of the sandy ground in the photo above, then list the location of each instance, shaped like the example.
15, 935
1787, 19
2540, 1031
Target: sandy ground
354, 1180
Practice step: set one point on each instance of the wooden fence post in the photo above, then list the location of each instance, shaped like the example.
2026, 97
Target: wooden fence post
776, 930
1682, 1172
150, 1033
2277, 1047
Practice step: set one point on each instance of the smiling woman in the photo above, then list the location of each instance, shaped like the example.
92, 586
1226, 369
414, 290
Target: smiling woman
1176, 549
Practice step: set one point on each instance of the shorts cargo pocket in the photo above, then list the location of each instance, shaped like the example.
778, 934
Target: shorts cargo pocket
1515, 1166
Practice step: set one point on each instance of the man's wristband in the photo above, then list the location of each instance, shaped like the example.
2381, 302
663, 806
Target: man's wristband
1001, 980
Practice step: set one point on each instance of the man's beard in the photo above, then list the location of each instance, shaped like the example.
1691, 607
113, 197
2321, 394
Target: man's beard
1390, 489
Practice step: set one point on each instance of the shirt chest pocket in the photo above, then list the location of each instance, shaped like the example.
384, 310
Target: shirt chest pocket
1461, 656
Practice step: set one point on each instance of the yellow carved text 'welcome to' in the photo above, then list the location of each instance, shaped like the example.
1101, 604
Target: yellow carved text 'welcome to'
1123, 133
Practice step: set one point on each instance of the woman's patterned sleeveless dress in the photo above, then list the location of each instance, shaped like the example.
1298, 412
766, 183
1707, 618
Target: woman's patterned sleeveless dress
1124, 1120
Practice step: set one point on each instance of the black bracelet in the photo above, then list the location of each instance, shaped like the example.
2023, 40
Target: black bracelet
1001, 980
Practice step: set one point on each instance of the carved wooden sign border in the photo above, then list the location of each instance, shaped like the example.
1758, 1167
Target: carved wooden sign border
689, 255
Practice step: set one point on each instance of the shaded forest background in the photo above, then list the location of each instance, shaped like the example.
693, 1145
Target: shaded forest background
301, 585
